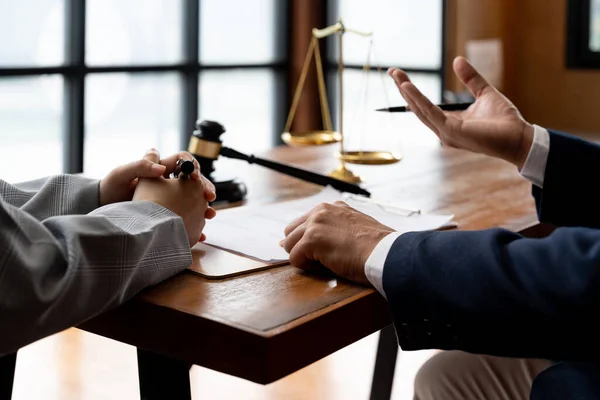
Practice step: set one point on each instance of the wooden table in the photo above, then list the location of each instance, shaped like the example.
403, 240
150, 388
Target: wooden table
266, 325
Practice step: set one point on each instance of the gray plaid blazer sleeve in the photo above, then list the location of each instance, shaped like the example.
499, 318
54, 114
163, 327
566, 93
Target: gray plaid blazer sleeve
58, 270
56, 195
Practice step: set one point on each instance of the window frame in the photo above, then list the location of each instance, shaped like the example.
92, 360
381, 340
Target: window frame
578, 52
331, 67
75, 70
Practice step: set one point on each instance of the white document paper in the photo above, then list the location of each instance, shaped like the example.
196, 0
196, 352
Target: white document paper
255, 231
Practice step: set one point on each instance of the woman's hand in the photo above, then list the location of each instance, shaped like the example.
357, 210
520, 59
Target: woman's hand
120, 184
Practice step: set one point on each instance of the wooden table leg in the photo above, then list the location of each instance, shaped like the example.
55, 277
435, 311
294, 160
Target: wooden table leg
385, 364
7, 375
163, 377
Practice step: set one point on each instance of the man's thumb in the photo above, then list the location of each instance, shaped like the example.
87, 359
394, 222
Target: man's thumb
472, 79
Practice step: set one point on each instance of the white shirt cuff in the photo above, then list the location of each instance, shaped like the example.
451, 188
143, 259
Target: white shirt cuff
534, 168
376, 261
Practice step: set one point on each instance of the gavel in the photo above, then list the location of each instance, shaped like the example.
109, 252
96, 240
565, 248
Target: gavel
206, 146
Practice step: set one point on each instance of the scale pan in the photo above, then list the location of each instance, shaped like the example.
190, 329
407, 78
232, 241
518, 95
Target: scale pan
369, 157
312, 138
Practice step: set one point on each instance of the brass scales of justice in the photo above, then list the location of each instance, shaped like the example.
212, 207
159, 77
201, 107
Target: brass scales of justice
328, 135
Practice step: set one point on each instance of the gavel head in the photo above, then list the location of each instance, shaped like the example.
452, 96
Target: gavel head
205, 145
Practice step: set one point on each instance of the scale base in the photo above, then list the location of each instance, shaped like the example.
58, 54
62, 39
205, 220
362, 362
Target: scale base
344, 174
369, 157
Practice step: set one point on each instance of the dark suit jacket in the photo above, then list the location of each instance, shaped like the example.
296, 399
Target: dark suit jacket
498, 293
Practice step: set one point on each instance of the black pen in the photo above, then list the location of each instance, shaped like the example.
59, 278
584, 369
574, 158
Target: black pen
445, 107
183, 169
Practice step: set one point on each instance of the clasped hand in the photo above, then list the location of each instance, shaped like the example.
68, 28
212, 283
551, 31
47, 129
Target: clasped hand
147, 180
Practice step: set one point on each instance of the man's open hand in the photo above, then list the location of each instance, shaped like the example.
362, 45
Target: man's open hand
492, 125
336, 236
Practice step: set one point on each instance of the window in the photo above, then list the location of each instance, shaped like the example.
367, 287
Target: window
247, 114
31, 124
405, 34
86, 85
127, 113
594, 36
583, 34
32, 33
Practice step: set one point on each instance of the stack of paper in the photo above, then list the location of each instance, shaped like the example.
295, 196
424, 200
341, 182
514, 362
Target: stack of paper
255, 231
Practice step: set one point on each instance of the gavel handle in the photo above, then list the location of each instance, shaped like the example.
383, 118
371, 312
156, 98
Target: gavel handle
305, 175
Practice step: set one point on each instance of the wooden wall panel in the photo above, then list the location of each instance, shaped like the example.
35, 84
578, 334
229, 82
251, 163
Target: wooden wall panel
473, 20
535, 76
547, 92
304, 16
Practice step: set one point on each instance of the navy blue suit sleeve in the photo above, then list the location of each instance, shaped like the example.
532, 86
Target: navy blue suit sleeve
496, 292
570, 196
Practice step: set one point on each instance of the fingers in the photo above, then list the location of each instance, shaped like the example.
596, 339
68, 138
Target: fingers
399, 78
171, 163
298, 255
476, 83
425, 110
418, 112
210, 193
298, 242
152, 155
298, 221
293, 238
138, 169
208, 184
341, 203
210, 213
147, 167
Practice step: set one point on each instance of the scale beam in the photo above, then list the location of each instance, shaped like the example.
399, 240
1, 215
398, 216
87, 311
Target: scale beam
337, 28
